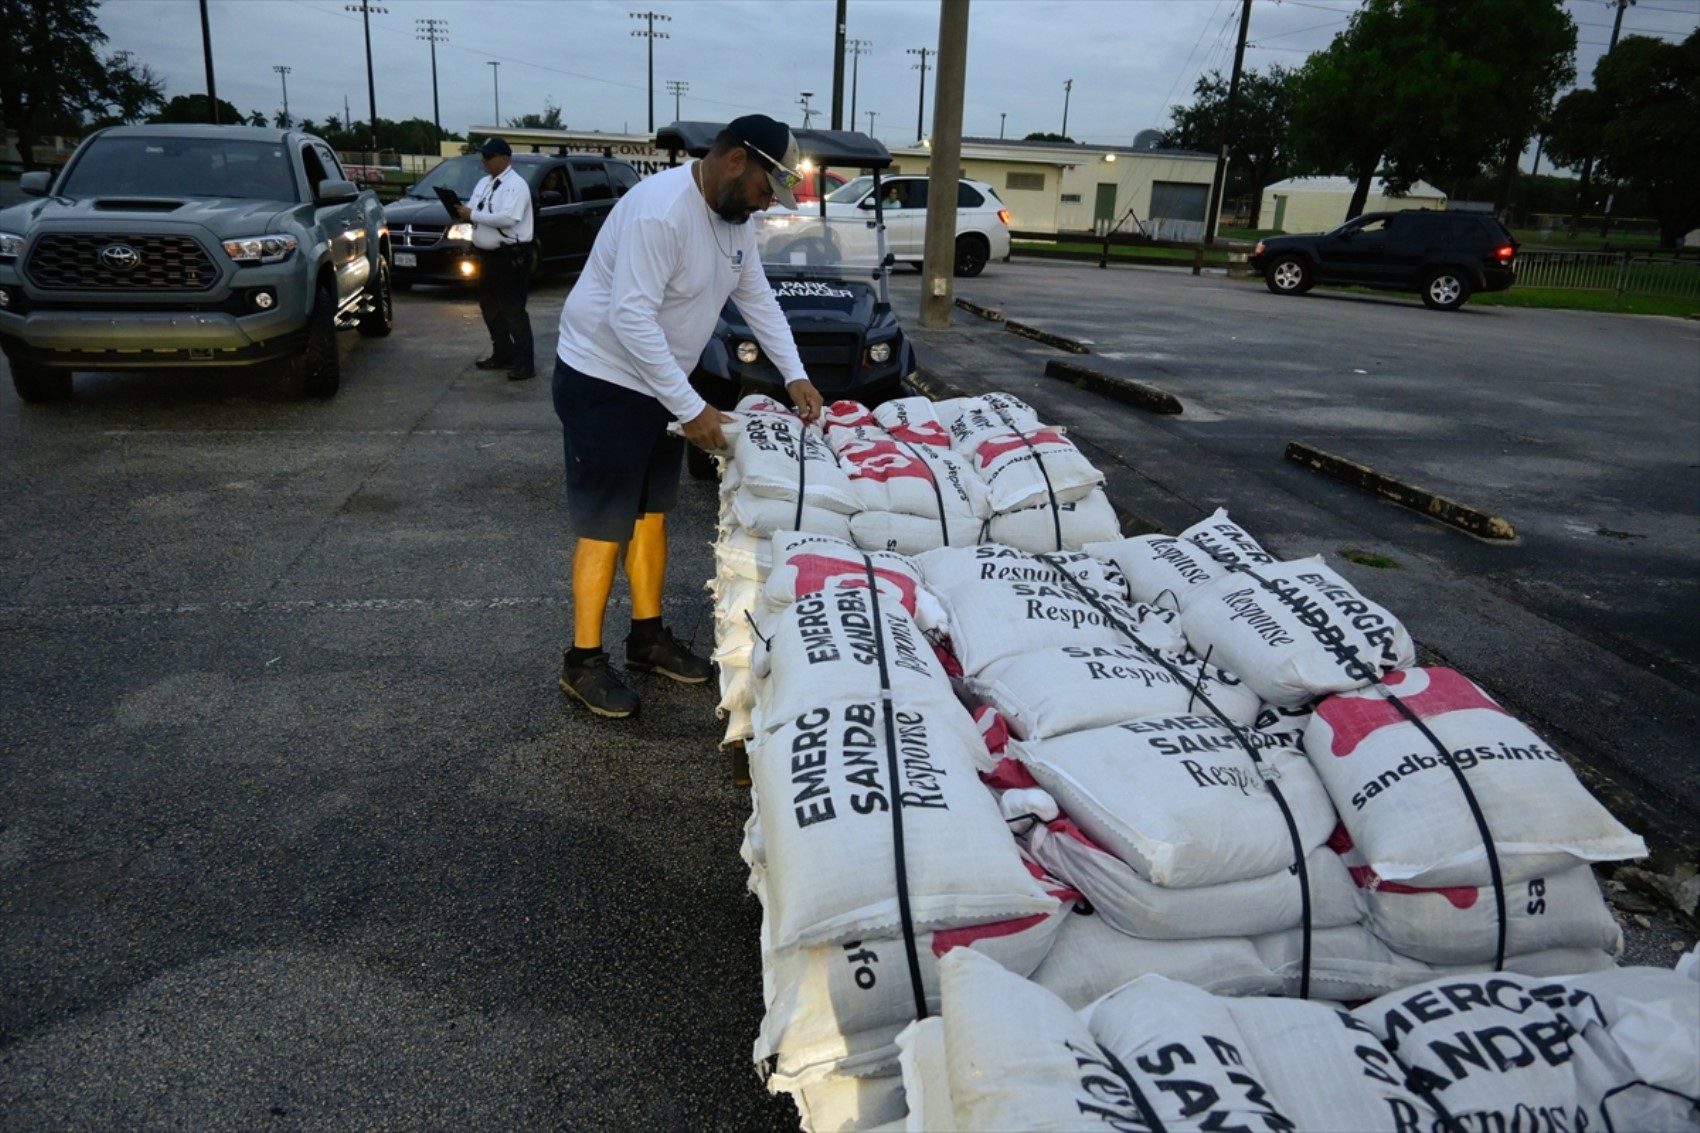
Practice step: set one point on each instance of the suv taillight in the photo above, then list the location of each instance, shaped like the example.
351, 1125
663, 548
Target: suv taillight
1003, 215
1504, 253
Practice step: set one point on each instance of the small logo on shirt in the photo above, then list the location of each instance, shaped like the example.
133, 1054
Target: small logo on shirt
737, 259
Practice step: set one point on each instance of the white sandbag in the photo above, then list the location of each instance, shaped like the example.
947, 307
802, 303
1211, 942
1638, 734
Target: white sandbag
912, 479
1070, 688
826, 792
970, 420
1296, 631
1460, 924
1068, 526
1347, 964
1505, 1050
1032, 467
1181, 800
912, 534
1653, 1017
765, 462
1302, 1048
1018, 1058
850, 1105
1002, 602
762, 516
838, 1008
742, 554
1091, 958
1160, 569
806, 563
1226, 542
1403, 806
926, 1078
828, 646
1137, 907
913, 419
844, 415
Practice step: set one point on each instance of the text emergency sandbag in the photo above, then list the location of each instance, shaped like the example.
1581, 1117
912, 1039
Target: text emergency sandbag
826, 799
1180, 799
1295, 630
1399, 799
766, 463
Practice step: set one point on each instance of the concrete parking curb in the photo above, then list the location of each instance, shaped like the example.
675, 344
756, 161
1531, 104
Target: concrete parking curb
1125, 390
1046, 337
1479, 523
987, 313
935, 388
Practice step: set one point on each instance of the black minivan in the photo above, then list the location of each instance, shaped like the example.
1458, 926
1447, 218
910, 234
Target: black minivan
1445, 256
571, 195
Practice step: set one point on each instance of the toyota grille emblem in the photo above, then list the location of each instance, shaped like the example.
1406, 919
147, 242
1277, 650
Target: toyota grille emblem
120, 257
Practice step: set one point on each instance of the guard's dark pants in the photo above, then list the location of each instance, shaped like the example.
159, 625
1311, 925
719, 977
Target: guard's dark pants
504, 277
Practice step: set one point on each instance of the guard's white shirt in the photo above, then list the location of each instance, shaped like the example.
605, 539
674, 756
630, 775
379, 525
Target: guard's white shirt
661, 270
501, 210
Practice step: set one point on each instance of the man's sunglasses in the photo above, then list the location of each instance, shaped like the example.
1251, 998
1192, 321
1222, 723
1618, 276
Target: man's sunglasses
787, 177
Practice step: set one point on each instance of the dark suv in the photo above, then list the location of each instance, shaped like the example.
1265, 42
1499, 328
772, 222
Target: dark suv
571, 195
1444, 256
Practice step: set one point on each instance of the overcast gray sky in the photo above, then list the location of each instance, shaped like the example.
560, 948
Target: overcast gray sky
1130, 59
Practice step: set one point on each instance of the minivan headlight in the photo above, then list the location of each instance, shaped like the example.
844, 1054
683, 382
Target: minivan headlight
260, 249
11, 245
462, 231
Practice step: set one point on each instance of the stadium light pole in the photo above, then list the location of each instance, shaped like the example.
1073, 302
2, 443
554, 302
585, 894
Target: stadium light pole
283, 73
366, 9
436, 31
206, 50
921, 108
857, 49
677, 87
652, 35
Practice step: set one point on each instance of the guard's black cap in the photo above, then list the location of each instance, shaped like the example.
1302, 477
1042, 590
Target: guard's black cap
493, 147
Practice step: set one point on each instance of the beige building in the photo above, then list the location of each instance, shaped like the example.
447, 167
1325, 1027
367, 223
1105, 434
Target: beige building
1317, 204
1060, 187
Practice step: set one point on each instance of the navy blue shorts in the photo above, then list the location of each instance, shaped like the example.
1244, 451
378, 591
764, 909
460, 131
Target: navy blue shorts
621, 464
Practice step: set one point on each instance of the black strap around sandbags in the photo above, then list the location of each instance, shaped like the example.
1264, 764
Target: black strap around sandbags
1265, 771
938, 493
1365, 671
802, 469
1039, 459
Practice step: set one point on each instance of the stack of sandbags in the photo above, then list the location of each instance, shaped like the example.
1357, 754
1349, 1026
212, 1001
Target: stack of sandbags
1612, 1050
1169, 569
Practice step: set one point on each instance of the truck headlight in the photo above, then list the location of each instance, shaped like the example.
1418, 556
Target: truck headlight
461, 231
748, 352
260, 249
11, 245
879, 352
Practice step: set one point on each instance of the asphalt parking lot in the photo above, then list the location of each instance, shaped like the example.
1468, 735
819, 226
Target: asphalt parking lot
297, 831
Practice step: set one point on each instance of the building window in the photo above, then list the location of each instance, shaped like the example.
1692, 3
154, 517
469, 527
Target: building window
1025, 182
1071, 198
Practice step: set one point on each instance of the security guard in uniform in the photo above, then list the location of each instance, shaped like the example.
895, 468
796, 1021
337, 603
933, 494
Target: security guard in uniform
502, 226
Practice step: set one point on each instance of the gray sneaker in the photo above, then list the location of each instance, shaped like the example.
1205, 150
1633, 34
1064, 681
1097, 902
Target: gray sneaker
598, 687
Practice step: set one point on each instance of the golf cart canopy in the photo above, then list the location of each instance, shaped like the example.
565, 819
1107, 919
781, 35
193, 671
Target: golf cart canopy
844, 148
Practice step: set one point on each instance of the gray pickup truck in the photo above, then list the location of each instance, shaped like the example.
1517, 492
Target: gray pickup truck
190, 246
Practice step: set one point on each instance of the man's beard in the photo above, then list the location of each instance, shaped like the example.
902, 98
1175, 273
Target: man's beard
732, 205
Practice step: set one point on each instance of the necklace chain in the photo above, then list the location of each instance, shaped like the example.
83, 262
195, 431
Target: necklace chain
696, 168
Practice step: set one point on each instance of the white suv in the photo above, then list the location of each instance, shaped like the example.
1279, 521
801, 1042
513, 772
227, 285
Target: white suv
982, 222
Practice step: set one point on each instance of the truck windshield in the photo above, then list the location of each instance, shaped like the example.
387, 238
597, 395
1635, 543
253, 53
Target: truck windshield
181, 167
458, 173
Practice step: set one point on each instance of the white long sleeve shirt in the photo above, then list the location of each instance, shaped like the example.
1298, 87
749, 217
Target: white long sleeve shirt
661, 271
501, 210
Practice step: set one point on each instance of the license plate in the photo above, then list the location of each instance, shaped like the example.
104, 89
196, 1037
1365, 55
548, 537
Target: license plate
406, 260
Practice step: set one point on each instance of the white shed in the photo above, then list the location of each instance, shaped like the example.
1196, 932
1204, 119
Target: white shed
1316, 204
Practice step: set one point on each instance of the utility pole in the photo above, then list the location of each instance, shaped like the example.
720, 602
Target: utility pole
677, 88
652, 35
838, 73
436, 31
496, 89
921, 110
1588, 164
857, 49
1068, 88
283, 73
1001, 117
206, 49
872, 114
366, 9
1217, 182
804, 103
938, 258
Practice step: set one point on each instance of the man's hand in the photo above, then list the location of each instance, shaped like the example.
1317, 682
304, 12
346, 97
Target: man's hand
703, 430
464, 212
806, 398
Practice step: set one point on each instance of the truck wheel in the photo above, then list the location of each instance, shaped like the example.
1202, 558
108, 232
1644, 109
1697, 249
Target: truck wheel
1445, 290
380, 320
39, 384
971, 255
1288, 275
316, 370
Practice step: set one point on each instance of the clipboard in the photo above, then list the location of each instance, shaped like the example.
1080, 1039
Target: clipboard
451, 200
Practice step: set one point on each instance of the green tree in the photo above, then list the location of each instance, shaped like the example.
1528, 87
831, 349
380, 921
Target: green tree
1641, 124
1258, 148
190, 108
52, 79
1041, 136
550, 119
1436, 89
